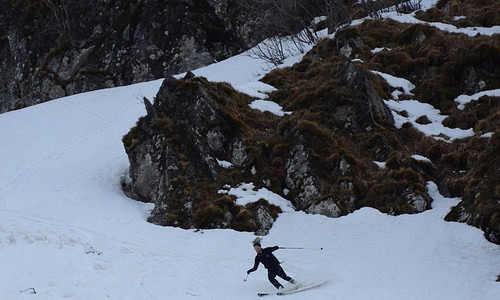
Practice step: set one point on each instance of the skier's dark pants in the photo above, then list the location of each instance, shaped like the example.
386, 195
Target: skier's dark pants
279, 272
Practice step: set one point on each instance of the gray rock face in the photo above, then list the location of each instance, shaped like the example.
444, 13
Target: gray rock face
264, 220
216, 139
103, 44
466, 213
327, 208
239, 158
417, 201
152, 162
369, 108
300, 178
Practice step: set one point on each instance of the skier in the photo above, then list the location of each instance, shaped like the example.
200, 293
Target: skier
266, 257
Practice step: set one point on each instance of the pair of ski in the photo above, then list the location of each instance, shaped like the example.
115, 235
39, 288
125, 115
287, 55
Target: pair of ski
295, 289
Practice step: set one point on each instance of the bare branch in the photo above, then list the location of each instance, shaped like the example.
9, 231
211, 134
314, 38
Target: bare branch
293, 19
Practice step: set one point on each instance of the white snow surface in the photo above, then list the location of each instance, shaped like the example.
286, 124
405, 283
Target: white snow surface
397, 82
246, 193
420, 158
435, 128
270, 106
462, 100
67, 231
225, 164
377, 50
426, 4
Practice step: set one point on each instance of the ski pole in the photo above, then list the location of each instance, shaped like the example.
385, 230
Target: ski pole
301, 248
246, 278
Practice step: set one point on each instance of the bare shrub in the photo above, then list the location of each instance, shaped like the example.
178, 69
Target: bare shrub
292, 20
58, 19
408, 6
372, 8
270, 50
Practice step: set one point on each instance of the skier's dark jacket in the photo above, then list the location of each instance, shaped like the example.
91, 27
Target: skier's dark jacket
268, 259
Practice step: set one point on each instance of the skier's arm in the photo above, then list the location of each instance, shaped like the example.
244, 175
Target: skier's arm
255, 266
272, 249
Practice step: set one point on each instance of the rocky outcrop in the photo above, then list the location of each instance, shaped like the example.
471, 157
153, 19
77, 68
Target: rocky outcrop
49, 51
358, 116
480, 203
176, 151
300, 178
337, 152
369, 107
327, 208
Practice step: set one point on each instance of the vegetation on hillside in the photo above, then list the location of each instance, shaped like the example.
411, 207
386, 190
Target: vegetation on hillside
333, 121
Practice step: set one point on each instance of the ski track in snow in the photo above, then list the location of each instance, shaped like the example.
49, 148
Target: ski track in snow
68, 232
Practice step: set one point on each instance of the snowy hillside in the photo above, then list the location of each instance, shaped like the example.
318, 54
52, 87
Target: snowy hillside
67, 231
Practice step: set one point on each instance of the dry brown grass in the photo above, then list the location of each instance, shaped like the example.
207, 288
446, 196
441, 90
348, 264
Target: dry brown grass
482, 115
476, 12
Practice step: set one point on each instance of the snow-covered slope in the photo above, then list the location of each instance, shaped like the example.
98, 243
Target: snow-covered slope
68, 232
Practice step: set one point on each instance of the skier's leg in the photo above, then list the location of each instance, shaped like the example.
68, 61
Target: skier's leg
272, 278
283, 275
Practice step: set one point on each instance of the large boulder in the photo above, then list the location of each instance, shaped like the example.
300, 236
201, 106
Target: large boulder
176, 153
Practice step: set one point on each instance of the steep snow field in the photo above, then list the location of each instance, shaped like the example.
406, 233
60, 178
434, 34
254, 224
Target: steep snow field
68, 232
